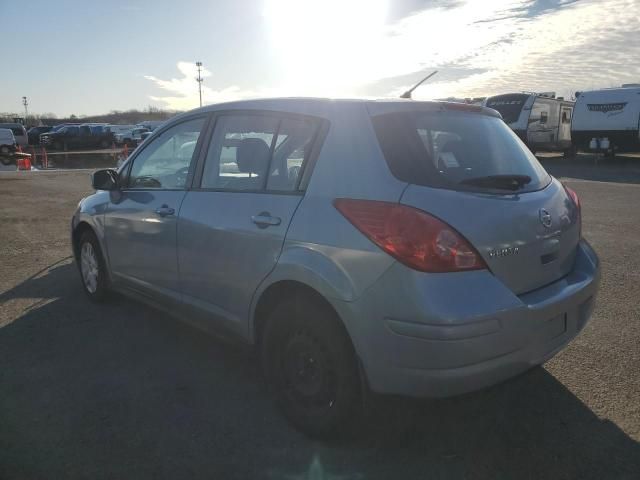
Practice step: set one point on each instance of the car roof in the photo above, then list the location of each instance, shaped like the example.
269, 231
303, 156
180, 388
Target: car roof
320, 106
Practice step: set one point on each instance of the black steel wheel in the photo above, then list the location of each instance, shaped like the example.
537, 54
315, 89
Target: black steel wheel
311, 368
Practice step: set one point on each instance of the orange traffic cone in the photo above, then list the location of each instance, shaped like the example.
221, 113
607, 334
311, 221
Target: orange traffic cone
23, 163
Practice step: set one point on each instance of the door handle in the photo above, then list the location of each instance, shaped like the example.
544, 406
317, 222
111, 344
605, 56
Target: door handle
165, 210
264, 220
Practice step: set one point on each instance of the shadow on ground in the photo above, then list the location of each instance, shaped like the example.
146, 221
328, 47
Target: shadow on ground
123, 391
621, 169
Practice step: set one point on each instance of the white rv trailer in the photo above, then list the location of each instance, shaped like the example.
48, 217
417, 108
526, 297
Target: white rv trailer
607, 120
541, 120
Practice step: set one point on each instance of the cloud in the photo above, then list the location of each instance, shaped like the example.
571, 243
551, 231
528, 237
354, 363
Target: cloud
184, 90
535, 46
337, 48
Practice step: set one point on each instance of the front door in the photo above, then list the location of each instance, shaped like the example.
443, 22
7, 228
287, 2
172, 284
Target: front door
233, 222
140, 223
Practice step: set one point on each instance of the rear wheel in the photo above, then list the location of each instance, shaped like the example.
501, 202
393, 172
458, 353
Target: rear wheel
570, 152
311, 368
92, 268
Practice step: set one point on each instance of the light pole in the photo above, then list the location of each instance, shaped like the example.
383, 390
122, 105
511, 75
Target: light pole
26, 111
199, 80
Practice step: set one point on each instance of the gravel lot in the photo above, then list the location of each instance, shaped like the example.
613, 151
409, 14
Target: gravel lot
123, 391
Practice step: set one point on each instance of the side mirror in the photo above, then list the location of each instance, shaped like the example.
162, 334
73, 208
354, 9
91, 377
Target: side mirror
106, 179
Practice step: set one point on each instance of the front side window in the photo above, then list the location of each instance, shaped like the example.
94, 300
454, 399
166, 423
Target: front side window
165, 162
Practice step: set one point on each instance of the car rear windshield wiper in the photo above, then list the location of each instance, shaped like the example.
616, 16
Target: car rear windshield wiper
502, 182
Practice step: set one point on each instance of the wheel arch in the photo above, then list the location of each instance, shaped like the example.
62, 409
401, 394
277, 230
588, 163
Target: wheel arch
76, 234
281, 290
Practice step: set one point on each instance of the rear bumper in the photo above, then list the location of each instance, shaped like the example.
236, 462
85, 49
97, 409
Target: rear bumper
466, 331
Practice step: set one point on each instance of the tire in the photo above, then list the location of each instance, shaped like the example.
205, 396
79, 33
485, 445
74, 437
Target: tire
91, 265
310, 367
570, 152
5, 160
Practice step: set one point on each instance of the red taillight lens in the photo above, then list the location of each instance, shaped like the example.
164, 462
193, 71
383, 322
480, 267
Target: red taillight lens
412, 236
576, 201
574, 196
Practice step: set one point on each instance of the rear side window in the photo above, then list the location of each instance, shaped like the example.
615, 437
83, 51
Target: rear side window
251, 152
455, 150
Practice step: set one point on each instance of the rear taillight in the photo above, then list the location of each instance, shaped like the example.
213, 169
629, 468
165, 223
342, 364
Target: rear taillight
412, 236
574, 196
576, 202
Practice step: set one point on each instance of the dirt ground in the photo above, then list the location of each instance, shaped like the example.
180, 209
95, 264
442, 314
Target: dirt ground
123, 391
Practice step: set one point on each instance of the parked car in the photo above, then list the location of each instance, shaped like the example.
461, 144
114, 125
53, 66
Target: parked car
116, 129
7, 145
78, 136
151, 125
145, 135
33, 134
131, 137
19, 132
399, 247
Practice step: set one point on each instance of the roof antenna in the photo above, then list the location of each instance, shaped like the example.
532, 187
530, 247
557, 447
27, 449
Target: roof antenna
408, 93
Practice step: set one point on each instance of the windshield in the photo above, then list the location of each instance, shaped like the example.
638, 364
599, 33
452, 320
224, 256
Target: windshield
459, 151
509, 106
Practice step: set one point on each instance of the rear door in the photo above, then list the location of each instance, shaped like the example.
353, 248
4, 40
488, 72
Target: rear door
564, 129
472, 172
233, 222
141, 218
540, 132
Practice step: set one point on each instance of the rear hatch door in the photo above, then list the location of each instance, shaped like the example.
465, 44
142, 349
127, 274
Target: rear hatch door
466, 167
527, 240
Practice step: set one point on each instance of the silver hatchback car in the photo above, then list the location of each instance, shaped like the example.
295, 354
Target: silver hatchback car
399, 247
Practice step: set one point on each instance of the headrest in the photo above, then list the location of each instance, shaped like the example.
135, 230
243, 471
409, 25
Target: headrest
252, 156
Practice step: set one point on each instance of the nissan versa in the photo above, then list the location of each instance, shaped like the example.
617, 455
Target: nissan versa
398, 247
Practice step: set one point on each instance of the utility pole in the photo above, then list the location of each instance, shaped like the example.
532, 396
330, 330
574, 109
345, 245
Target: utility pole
199, 80
26, 111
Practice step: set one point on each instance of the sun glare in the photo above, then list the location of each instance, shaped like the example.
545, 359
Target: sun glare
322, 46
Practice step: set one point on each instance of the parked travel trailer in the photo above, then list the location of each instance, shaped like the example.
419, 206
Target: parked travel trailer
607, 120
541, 120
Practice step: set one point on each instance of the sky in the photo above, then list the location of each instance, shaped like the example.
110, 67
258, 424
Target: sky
85, 57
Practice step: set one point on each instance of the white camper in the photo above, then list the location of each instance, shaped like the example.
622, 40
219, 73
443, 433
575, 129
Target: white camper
541, 120
607, 120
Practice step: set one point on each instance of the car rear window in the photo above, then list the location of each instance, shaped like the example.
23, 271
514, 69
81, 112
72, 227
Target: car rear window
447, 149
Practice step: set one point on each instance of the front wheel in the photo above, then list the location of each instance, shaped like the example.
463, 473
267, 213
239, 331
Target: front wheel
92, 268
310, 366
